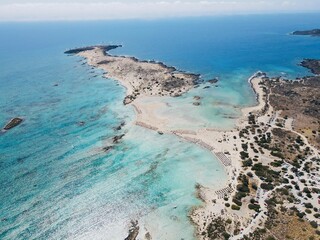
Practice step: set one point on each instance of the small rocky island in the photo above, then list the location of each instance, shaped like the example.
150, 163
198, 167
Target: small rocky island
13, 123
141, 78
313, 32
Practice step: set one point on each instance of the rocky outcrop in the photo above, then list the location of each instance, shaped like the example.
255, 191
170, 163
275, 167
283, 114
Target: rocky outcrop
81, 123
212, 81
117, 138
312, 64
120, 126
128, 99
133, 231
313, 32
13, 123
82, 49
107, 148
196, 97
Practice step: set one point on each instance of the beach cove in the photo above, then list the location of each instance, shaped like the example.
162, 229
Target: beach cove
80, 165
223, 144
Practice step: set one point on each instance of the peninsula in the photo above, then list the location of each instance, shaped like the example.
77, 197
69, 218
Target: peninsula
140, 78
271, 157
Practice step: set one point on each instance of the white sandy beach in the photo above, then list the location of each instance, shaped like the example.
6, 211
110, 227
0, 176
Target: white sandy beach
225, 145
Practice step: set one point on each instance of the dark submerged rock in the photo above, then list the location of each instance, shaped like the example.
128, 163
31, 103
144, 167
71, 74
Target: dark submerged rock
81, 123
118, 128
107, 148
117, 138
196, 97
212, 81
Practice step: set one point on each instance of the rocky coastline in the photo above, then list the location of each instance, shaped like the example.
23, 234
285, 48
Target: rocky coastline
312, 64
274, 191
105, 48
313, 32
140, 78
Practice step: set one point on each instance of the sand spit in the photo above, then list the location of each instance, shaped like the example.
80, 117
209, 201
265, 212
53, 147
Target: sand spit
145, 79
224, 145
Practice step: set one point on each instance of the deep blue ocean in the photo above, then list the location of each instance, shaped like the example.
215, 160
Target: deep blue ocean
56, 180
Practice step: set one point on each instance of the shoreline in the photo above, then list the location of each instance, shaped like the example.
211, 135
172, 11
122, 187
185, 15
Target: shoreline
255, 80
225, 145
209, 139
217, 142
209, 210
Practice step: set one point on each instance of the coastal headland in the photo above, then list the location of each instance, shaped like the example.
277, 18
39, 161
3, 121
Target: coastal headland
140, 78
271, 157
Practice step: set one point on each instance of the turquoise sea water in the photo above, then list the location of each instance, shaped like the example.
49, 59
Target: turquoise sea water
58, 183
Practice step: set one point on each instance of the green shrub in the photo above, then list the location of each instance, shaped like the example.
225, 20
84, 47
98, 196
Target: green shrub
226, 235
244, 146
277, 154
236, 201
240, 195
244, 155
254, 186
255, 207
270, 238
314, 224
242, 188
276, 163
300, 214
308, 205
235, 207
267, 186
247, 163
